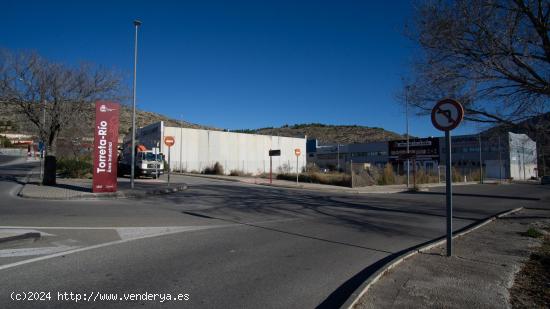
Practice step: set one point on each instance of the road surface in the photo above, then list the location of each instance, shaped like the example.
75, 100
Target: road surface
223, 244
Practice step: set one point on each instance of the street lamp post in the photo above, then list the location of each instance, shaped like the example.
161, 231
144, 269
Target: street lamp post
137, 23
338, 158
480, 162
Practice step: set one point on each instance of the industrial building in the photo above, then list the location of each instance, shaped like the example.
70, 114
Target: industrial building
503, 156
338, 157
196, 149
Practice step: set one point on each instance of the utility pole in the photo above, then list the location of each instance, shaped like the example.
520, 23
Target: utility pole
181, 145
523, 160
338, 164
137, 23
499, 161
480, 162
407, 131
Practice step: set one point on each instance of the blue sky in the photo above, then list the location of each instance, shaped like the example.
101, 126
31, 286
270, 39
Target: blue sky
237, 64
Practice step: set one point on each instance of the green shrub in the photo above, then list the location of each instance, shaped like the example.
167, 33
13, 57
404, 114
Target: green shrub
75, 167
532, 232
5, 142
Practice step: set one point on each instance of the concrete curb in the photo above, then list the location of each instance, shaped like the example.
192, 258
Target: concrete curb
362, 290
25, 182
19, 237
107, 196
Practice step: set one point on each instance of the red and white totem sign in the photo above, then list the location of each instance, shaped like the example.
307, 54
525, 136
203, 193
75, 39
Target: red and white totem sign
105, 146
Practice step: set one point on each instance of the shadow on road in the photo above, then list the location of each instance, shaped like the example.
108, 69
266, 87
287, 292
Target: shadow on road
286, 232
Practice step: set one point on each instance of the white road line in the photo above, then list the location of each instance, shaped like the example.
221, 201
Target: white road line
126, 234
134, 227
116, 242
22, 231
33, 251
134, 233
92, 227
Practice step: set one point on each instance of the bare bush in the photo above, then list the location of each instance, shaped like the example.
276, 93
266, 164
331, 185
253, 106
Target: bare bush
216, 169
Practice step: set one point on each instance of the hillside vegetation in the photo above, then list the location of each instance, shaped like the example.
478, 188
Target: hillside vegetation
326, 134
18, 123
329, 134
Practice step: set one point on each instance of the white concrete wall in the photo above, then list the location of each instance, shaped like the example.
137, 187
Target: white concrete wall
523, 156
196, 149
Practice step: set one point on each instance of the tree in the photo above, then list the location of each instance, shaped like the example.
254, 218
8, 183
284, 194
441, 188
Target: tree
51, 95
491, 55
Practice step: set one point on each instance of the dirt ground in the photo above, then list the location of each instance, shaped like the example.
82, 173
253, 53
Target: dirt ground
531, 287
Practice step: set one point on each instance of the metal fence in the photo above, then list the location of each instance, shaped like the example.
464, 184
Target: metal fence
364, 174
255, 167
13, 152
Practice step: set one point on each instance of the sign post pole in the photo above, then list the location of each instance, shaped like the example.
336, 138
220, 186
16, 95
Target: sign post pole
296, 170
449, 192
156, 165
297, 152
169, 141
446, 116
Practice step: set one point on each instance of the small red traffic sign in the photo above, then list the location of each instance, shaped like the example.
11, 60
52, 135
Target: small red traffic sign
297, 152
169, 141
447, 114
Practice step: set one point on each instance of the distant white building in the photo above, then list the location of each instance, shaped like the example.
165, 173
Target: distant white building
196, 149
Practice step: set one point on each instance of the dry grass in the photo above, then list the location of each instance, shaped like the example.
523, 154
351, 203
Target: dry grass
531, 287
334, 179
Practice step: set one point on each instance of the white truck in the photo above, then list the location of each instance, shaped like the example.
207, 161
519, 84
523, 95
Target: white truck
147, 162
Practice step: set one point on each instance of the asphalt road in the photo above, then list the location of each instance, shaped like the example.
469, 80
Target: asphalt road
225, 244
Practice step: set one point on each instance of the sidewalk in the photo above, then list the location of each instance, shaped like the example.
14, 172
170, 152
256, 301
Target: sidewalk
68, 189
478, 275
321, 187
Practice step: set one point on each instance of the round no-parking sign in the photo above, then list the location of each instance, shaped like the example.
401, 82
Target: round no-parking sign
447, 114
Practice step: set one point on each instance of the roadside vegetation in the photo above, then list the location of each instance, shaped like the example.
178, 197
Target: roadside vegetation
78, 167
531, 285
216, 169
4, 142
333, 178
